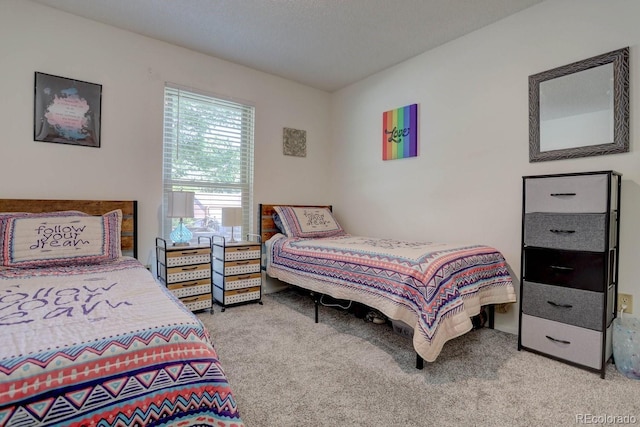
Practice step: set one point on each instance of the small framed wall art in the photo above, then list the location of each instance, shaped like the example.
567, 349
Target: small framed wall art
294, 142
400, 133
66, 111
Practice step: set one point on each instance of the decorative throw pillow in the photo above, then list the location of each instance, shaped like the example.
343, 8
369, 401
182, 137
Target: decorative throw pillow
59, 239
308, 222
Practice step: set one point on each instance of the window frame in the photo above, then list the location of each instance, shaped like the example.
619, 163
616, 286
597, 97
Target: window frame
171, 137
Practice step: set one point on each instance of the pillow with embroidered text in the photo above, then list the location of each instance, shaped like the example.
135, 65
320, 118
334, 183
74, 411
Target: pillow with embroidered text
308, 222
59, 239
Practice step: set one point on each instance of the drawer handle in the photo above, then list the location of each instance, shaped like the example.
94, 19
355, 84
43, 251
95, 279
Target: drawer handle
561, 268
242, 277
189, 253
562, 194
188, 285
189, 268
243, 291
242, 263
243, 249
562, 231
555, 304
557, 340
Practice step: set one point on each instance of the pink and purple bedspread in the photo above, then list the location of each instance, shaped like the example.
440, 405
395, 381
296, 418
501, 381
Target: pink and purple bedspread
105, 345
435, 288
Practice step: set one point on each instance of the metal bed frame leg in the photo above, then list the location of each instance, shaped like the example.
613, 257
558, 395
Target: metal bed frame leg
419, 362
316, 301
492, 315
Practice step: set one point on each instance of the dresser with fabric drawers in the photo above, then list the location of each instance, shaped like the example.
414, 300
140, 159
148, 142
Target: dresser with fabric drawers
569, 269
237, 273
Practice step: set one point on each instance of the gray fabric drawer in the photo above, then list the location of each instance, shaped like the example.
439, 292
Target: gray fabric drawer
568, 342
575, 193
580, 232
572, 306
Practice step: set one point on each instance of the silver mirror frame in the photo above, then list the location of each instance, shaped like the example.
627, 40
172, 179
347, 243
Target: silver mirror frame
620, 144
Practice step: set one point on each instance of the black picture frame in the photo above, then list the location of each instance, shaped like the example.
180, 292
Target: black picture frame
66, 111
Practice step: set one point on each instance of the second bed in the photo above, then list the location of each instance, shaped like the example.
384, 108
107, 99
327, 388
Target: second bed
436, 288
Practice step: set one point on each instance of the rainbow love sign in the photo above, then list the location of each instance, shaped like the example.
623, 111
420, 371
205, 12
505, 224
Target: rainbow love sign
400, 133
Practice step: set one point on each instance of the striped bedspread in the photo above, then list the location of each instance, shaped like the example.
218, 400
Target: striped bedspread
435, 288
105, 345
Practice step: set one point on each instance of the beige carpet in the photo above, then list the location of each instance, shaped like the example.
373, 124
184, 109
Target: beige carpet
286, 370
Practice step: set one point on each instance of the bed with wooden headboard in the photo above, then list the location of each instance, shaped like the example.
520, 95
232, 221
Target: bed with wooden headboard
91, 321
435, 288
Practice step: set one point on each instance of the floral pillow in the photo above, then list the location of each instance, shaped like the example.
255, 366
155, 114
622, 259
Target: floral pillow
308, 222
59, 239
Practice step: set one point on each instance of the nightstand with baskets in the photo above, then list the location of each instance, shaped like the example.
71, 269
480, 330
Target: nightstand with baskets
186, 271
237, 276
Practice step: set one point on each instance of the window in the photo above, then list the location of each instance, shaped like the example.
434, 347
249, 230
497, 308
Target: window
208, 149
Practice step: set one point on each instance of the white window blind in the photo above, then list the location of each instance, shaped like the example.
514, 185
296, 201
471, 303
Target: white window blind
208, 149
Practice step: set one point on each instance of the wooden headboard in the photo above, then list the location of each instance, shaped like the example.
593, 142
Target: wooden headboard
129, 232
265, 221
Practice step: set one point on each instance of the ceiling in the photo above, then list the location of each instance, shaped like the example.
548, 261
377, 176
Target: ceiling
325, 44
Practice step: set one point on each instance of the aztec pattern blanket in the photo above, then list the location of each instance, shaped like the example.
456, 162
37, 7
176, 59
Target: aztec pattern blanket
435, 288
105, 345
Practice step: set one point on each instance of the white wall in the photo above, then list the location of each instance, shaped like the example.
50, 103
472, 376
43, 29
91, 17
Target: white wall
466, 183
132, 71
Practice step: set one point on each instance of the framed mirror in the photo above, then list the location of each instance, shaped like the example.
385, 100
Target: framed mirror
580, 109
